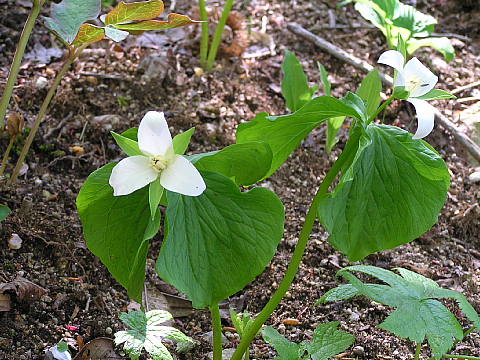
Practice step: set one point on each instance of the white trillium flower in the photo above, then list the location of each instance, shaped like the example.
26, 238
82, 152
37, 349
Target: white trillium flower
159, 160
418, 80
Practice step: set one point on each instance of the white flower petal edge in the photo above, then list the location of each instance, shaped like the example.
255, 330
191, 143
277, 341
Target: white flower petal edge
392, 58
182, 177
131, 174
419, 77
154, 137
425, 116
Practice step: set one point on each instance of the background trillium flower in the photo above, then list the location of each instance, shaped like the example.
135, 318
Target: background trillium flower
159, 160
418, 80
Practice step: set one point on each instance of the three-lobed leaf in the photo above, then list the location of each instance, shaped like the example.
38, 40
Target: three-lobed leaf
398, 184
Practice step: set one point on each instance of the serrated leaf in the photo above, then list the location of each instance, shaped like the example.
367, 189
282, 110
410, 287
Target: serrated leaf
328, 341
370, 90
126, 12
68, 16
419, 315
173, 21
218, 242
4, 212
88, 34
117, 228
285, 348
437, 94
400, 184
442, 45
147, 333
295, 89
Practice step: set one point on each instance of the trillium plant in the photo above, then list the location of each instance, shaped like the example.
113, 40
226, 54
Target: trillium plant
220, 229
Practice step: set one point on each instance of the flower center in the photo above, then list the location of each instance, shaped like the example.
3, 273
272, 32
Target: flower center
158, 162
414, 83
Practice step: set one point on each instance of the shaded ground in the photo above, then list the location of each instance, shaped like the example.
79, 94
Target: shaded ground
107, 81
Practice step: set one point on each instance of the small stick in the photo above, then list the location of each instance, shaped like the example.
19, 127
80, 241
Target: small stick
465, 87
459, 135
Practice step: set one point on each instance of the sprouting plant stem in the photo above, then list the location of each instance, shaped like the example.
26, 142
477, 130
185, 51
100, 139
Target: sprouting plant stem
43, 111
381, 108
418, 350
450, 356
17, 59
205, 32
217, 332
217, 37
6, 155
344, 159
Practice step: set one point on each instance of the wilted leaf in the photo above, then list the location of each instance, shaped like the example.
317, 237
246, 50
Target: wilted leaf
23, 288
88, 34
5, 302
173, 21
98, 349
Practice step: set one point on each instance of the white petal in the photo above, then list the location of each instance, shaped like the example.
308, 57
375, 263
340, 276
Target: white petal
182, 177
153, 134
131, 174
414, 69
425, 116
392, 58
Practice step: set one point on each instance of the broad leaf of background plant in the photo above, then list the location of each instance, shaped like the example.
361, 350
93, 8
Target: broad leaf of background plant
117, 228
4, 212
245, 163
67, 17
147, 333
418, 23
295, 89
127, 12
284, 133
286, 349
419, 315
391, 194
370, 90
88, 34
443, 45
173, 21
218, 242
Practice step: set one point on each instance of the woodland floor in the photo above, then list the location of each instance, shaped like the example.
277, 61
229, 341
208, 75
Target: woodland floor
107, 80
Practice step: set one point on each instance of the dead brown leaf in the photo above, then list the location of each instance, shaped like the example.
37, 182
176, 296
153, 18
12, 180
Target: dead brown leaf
23, 288
98, 349
5, 304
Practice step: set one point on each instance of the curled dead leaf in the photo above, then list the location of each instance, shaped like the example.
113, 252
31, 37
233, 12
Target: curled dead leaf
23, 288
98, 349
15, 124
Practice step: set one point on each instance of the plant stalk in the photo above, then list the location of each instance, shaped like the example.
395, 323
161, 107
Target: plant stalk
345, 158
217, 37
418, 350
43, 111
381, 108
6, 155
17, 60
205, 32
217, 332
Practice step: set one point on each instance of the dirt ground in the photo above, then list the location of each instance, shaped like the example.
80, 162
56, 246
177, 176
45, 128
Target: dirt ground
111, 86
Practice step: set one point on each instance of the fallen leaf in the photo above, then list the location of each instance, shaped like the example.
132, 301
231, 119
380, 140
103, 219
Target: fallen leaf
5, 304
98, 349
175, 305
291, 322
23, 288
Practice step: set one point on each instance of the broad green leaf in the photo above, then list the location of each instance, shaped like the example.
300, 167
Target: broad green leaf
182, 140
245, 163
443, 45
147, 333
4, 212
327, 341
131, 133
115, 34
437, 94
340, 293
88, 34
155, 192
370, 90
286, 349
398, 184
218, 242
295, 89
333, 128
418, 315
173, 21
68, 16
284, 133
371, 12
129, 146
127, 12
356, 102
418, 23
117, 228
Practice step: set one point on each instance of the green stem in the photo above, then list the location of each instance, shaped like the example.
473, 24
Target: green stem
217, 332
450, 356
6, 155
217, 37
344, 159
17, 59
418, 351
205, 32
43, 111
381, 108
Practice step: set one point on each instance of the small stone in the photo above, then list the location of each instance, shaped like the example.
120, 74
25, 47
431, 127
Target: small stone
46, 299
358, 351
474, 177
208, 336
15, 242
41, 83
226, 354
108, 331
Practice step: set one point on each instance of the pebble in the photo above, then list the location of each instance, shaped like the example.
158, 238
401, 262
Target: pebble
358, 351
474, 177
108, 331
15, 242
41, 83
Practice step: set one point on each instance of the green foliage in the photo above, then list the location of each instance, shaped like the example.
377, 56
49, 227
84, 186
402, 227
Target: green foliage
284, 133
369, 90
147, 333
437, 94
327, 342
241, 321
295, 87
62, 346
117, 228
391, 194
218, 242
395, 19
418, 314
4, 212
68, 15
